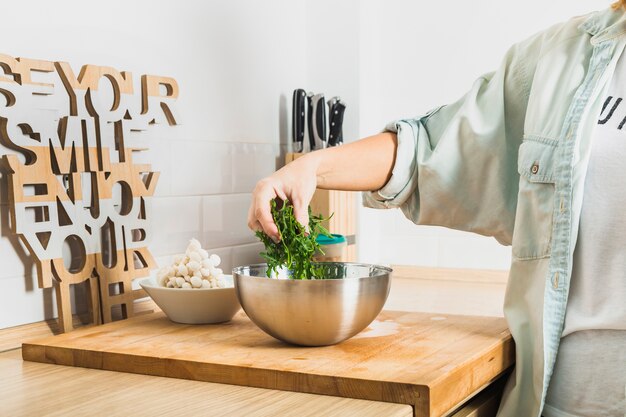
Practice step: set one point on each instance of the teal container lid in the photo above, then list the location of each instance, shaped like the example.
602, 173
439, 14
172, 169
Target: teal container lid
334, 240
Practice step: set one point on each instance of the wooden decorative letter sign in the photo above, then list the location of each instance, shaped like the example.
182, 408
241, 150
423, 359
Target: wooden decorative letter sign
78, 202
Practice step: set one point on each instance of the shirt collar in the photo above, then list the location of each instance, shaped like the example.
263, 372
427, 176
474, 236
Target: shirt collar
604, 25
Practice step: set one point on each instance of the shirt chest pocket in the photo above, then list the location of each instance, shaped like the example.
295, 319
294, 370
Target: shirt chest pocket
532, 233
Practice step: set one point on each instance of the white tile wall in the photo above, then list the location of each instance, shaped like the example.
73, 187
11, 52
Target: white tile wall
175, 220
224, 220
431, 245
208, 167
201, 167
247, 254
22, 302
388, 237
472, 251
253, 161
406, 250
15, 258
244, 162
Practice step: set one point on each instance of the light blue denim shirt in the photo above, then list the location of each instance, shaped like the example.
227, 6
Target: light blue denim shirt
508, 160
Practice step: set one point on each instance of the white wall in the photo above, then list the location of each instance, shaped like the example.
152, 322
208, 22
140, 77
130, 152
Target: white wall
236, 63
415, 55
333, 55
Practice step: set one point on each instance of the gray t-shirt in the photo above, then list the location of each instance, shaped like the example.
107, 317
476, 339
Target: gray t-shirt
589, 377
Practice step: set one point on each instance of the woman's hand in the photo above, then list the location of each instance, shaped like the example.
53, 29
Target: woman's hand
295, 182
364, 165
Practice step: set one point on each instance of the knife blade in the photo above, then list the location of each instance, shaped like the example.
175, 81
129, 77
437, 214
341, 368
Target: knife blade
317, 121
337, 110
297, 123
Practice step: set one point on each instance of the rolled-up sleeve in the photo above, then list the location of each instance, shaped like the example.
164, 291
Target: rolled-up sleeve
403, 179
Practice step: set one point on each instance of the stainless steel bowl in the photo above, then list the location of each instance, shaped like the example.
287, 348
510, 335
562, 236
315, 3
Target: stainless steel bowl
313, 312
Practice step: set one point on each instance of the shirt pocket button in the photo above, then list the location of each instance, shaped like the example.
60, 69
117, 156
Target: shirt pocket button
535, 168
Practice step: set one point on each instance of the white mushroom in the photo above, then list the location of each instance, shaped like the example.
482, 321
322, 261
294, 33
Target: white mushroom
193, 266
163, 272
162, 280
215, 259
195, 256
194, 244
196, 282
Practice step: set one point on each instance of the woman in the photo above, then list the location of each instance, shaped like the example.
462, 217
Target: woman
534, 155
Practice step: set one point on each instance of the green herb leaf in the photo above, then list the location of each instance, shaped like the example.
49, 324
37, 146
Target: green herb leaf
296, 249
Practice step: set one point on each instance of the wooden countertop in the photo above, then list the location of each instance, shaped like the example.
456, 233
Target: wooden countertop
33, 388
431, 361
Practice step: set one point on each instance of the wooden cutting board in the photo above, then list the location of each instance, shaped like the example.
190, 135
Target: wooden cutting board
432, 362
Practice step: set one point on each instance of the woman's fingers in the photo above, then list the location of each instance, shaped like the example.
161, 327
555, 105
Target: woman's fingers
260, 215
281, 194
253, 223
301, 212
301, 198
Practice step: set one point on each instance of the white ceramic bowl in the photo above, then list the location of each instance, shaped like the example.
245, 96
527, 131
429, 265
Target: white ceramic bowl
195, 306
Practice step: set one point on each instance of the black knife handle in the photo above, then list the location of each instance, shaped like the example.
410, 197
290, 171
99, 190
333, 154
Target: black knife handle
331, 104
297, 122
318, 106
337, 112
310, 120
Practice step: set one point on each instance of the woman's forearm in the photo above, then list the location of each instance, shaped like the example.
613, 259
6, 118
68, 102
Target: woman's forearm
364, 165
